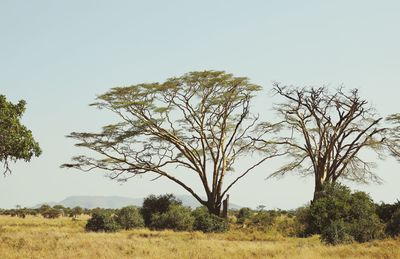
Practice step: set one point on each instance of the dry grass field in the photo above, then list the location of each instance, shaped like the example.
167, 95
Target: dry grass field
36, 237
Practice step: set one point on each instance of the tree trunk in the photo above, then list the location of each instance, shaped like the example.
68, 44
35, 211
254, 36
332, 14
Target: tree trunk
317, 188
213, 208
225, 207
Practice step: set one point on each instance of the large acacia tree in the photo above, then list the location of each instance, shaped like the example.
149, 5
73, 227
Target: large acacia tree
328, 134
199, 122
16, 141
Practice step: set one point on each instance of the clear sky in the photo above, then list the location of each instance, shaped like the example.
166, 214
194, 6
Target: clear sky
58, 55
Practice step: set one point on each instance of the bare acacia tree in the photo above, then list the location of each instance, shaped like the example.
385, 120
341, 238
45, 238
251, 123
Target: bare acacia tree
326, 134
200, 122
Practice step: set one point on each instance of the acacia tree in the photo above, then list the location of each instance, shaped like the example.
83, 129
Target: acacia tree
16, 141
200, 122
325, 134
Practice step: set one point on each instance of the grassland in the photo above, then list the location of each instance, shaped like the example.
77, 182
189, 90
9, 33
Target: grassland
36, 237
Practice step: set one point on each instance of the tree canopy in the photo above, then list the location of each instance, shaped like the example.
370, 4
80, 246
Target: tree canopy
200, 122
16, 141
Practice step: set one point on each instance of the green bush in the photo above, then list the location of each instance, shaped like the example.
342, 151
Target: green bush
385, 211
390, 215
52, 213
157, 204
76, 211
177, 217
301, 221
393, 226
263, 220
129, 217
286, 225
102, 221
206, 222
363, 222
341, 216
335, 233
243, 215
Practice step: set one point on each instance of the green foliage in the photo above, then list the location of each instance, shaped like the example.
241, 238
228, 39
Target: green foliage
286, 225
301, 219
335, 233
43, 208
129, 217
390, 215
16, 141
340, 216
260, 220
52, 213
206, 222
243, 215
263, 220
385, 211
102, 221
393, 226
177, 217
76, 211
157, 204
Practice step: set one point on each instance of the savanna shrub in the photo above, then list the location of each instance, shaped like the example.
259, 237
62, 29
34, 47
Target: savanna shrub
263, 220
390, 215
286, 225
76, 211
177, 217
301, 221
51, 213
243, 215
206, 222
363, 222
129, 217
393, 226
102, 221
385, 211
341, 216
335, 233
157, 204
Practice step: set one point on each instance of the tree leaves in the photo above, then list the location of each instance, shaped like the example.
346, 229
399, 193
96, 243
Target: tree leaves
16, 141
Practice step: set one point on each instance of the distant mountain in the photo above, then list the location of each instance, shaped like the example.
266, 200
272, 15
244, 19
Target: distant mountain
115, 202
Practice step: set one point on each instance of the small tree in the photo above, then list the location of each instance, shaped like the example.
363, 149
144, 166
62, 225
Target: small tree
16, 141
52, 213
102, 221
61, 208
157, 204
76, 211
129, 217
43, 208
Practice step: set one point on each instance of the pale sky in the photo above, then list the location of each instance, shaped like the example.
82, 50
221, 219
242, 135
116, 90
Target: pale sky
58, 55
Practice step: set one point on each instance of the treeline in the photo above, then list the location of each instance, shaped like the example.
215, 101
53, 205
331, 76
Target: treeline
50, 212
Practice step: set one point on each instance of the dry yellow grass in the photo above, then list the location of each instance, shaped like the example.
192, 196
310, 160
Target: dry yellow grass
35, 237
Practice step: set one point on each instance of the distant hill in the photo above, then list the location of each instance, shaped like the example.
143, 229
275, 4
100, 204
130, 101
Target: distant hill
115, 202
